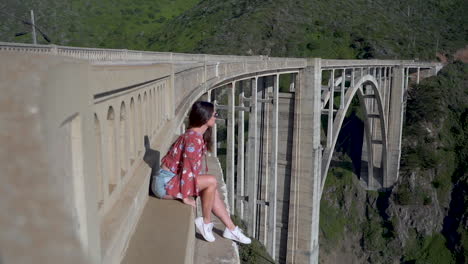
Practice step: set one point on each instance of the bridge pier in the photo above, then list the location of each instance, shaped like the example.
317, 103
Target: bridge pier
252, 161
273, 173
305, 190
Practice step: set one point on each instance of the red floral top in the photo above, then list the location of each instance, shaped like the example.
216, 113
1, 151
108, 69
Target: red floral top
184, 159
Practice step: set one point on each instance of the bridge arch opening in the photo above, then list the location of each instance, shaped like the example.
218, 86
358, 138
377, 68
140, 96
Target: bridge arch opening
373, 166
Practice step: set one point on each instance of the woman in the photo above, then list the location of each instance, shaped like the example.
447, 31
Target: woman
180, 175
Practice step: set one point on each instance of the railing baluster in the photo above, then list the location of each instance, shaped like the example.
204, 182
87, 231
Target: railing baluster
253, 159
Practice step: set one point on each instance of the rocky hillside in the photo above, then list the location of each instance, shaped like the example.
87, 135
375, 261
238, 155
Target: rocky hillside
423, 219
327, 29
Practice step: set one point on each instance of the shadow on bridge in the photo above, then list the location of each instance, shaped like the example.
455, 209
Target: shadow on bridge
152, 159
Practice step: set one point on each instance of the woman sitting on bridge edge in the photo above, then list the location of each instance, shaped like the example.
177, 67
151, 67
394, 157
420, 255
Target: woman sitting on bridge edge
180, 174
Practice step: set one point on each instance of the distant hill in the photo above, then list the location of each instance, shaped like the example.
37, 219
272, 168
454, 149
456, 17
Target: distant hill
300, 28
84, 23
327, 29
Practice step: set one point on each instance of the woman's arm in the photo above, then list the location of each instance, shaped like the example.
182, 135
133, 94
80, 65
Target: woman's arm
191, 166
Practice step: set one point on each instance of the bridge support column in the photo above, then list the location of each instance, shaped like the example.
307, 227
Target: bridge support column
305, 191
214, 140
330, 109
240, 156
395, 124
252, 162
265, 87
273, 181
230, 145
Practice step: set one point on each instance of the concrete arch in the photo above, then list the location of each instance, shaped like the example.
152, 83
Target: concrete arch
338, 122
184, 106
252, 75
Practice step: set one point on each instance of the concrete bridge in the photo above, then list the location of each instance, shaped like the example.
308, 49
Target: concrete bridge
74, 183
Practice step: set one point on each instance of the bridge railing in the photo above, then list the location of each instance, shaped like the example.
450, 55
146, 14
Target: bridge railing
121, 123
128, 103
116, 55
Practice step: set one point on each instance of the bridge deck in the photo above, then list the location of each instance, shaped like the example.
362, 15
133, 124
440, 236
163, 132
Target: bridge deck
166, 234
222, 250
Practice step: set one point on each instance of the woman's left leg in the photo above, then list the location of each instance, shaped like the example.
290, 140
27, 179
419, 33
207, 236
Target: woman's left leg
219, 209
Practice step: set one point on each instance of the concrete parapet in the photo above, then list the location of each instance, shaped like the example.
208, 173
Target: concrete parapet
72, 152
47, 189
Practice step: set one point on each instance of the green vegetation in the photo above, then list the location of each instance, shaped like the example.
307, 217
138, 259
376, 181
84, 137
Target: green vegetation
331, 29
405, 195
333, 220
435, 134
434, 148
332, 223
427, 250
254, 252
342, 217
102, 24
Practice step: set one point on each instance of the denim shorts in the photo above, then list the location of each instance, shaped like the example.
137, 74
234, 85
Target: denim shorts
159, 182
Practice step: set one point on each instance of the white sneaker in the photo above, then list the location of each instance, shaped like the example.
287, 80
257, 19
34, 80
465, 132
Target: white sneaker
236, 235
205, 229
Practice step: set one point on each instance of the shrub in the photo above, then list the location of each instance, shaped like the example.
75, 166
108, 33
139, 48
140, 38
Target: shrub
428, 250
254, 252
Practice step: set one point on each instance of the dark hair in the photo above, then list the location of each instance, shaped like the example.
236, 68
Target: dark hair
200, 114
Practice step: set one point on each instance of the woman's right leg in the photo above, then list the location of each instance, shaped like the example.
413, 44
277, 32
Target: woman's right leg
217, 205
219, 209
207, 186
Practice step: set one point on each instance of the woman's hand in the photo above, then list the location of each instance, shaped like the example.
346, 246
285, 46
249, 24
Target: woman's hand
189, 201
